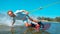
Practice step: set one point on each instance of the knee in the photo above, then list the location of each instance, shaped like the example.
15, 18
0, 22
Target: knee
27, 25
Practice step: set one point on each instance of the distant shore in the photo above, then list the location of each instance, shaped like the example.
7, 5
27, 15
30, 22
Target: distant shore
49, 21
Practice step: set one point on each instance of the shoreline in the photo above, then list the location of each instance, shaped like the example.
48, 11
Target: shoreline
49, 21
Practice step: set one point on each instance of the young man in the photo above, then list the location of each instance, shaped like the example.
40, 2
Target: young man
19, 15
23, 15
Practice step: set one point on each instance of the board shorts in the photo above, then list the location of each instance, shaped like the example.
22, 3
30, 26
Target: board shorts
40, 25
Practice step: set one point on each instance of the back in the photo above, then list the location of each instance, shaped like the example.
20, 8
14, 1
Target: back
20, 15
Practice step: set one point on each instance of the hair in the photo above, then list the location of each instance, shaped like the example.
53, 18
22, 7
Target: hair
12, 13
9, 11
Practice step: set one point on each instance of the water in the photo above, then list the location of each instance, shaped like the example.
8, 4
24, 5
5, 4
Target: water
54, 29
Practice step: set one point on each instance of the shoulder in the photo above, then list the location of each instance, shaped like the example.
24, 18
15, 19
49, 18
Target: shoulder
17, 11
20, 12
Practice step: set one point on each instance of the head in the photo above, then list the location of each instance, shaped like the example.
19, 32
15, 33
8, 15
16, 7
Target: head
10, 13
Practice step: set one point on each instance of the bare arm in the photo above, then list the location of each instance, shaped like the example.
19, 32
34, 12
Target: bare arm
13, 21
32, 19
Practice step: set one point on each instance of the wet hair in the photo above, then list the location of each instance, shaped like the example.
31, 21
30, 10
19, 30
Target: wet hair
9, 11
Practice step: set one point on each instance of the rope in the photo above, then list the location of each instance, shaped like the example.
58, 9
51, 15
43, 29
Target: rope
40, 8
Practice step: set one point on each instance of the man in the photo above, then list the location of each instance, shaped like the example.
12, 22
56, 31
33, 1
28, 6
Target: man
23, 15
19, 15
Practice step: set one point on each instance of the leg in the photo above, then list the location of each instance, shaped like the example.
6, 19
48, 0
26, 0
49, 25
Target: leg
40, 23
33, 25
27, 24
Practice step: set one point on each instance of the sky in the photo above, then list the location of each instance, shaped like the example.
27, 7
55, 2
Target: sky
50, 8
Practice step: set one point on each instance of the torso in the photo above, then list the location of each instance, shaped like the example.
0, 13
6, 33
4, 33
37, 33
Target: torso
20, 16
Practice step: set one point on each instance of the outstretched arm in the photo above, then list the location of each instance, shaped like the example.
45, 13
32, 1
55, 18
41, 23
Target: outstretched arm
13, 21
32, 19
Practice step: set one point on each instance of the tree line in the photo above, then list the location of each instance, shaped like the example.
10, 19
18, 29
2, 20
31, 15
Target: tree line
56, 19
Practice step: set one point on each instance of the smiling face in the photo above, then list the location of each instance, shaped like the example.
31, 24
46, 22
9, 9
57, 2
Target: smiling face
10, 13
